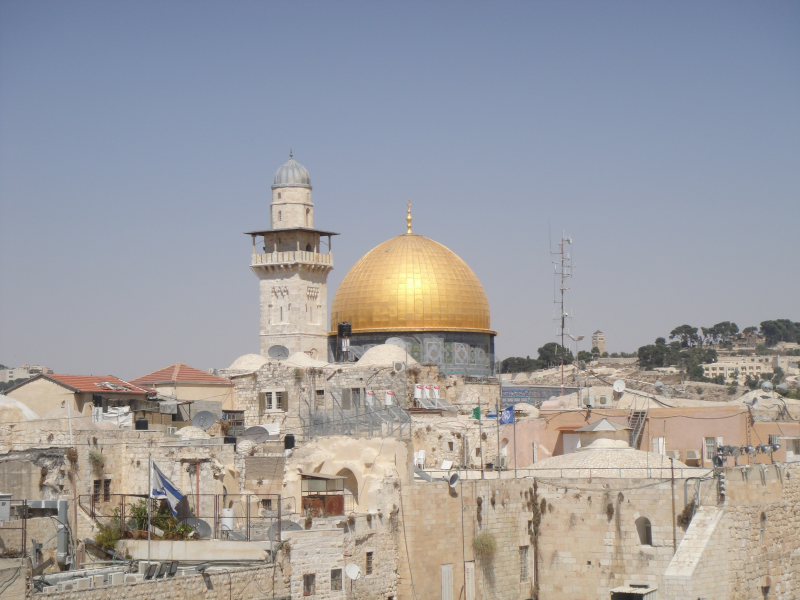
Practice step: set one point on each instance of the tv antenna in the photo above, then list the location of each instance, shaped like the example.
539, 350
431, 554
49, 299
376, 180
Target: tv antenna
562, 266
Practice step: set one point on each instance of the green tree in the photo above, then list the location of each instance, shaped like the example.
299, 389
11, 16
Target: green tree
780, 330
749, 330
516, 364
550, 354
585, 356
777, 375
686, 334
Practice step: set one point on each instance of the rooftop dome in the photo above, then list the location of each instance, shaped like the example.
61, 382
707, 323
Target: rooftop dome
292, 174
411, 283
608, 462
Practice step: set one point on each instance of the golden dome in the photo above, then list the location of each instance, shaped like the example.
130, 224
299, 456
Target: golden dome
411, 283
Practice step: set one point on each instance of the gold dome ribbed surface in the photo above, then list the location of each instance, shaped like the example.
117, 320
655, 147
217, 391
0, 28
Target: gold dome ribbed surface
411, 283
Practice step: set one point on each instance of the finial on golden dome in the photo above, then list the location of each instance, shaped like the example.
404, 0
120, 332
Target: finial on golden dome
291, 154
408, 217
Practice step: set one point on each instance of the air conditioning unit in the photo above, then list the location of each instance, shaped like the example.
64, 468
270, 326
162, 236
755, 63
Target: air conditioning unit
502, 461
49, 589
134, 578
673, 454
117, 578
64, 586
98, 580
604, 401
692, 455
84, 583
172, 430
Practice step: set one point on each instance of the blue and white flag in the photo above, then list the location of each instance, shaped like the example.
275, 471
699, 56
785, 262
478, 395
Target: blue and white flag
164, 489
507, 416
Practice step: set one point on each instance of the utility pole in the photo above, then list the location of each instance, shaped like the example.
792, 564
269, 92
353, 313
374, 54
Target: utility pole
563, 270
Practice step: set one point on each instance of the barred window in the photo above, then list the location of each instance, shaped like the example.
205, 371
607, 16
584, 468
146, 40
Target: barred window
523, 564
368, 569
336, 580
279, 401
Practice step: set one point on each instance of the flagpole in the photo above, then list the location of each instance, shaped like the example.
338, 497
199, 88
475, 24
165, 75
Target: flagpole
498, 466
514, 420
480, 429
149, 502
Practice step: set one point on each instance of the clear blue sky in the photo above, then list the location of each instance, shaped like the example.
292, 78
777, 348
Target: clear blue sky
138, 140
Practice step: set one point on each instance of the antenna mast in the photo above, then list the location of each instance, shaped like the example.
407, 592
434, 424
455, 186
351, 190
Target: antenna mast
562, 266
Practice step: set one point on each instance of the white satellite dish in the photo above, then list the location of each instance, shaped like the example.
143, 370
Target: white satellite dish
619, 386
272, 532
278, 352
766, 386
782, 388
352, 571
453, 480
659, 387
204, 420
256, 434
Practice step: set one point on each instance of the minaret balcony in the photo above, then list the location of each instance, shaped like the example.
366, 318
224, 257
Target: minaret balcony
284, 259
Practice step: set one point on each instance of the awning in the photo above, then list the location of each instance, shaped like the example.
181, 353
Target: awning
321, 476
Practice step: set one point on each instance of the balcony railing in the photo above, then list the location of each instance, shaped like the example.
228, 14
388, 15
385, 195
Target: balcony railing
276, 258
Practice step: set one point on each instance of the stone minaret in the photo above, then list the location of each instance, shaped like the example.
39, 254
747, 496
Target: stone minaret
292, 269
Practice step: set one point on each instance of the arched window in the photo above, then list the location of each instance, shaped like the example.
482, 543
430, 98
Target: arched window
645, 531
279, 195
350, 483
763, 528
309, 248
308, 211
279, 216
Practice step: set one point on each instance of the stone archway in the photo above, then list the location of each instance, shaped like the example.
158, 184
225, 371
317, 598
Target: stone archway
350, 484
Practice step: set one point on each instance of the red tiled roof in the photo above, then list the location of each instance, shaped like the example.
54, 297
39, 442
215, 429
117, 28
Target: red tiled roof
180, 373
97, 383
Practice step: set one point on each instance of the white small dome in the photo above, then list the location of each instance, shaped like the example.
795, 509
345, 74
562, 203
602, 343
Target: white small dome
248, 362
291, 174
384, 355
13, 411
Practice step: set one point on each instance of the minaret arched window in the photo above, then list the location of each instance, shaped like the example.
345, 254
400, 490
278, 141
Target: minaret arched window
308, 210
279, 195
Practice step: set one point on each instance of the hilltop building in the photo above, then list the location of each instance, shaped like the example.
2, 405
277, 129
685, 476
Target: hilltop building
599, 341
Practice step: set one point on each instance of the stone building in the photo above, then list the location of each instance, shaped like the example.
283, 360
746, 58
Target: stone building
292, 269
599, 341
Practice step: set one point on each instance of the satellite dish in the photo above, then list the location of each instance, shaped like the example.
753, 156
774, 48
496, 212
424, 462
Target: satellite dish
202, 528
453, 480
659, 387
766, 386
256, 434
782, 388
272, 532
278, 352
619, 386
204, 420
396, 341
352, 571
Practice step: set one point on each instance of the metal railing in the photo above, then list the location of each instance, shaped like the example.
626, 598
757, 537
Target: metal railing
357, 421
660, 472
243, 517
270, 258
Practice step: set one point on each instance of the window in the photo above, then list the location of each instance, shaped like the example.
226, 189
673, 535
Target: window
645, 531
308, 210
355, 396
659, 445
336, 580
309, 585
279, 197
477, 452
523, 564
368, 569
320, 403
96, 490
279, 405
450, 445
710, 445
763, 527
268, 401
107, 490
266, 504
279, 213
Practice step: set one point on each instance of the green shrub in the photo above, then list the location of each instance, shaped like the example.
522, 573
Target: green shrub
107, 537
97, 459
484, 545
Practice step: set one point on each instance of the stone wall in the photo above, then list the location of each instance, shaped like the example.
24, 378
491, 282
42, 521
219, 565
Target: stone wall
254, 582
